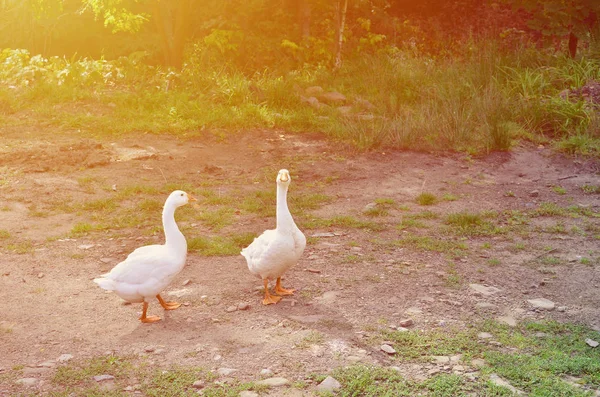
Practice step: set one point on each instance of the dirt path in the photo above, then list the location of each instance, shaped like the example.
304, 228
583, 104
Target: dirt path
363, 277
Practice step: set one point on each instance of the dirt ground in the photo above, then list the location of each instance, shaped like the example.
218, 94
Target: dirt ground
49, 305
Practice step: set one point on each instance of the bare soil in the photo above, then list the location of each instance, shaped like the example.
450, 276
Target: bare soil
356, 285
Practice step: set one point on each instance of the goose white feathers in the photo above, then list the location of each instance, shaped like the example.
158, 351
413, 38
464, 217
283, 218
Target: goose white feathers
150, 269
275, 251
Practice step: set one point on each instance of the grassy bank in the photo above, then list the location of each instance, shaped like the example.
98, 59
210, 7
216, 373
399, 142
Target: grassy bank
479, 101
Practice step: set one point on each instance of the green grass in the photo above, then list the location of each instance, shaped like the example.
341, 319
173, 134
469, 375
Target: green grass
220, 245
591, 189
472, 224
4, 234
559, 190
342, 221
426, 198
426, 243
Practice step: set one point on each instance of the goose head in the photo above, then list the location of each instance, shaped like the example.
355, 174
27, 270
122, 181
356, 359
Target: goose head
179, 198
283, 177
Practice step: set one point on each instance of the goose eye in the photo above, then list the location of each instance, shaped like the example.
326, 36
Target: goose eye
181, 194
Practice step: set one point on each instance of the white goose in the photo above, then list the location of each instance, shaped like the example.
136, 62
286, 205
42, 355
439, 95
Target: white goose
275, 251
150, 269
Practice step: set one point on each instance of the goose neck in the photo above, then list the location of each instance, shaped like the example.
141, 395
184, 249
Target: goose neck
173, 237
284, 217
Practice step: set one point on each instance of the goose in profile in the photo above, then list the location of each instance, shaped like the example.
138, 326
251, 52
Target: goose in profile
148, 270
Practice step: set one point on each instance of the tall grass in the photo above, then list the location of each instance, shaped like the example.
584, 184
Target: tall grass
480, 101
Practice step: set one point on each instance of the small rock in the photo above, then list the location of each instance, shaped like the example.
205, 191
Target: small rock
28, 382
508, 320
186, 282
591, 342
478, 362
226, 371
486, 306
333, 97
541, 303
149, 349
483, 290
63, 358
85, 246
433, 371
248, 393
413, 311
458, 368
456, 358
273, 382
406, 323
41, 275
388, 349
498, 381
107, 260
266, 372
534, 193
354, 359
329, 384
370, 207
102, 378
314, 90
243, 306
562, 308
231, 309
47, 364
441, 359
199, 384
485, 335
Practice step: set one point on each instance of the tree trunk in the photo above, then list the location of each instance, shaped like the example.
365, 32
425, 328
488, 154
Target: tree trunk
304, 14
172, 26
340, 36
573, 44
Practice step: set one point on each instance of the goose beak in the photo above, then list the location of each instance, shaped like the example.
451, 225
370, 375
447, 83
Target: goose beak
191, 198
285, 176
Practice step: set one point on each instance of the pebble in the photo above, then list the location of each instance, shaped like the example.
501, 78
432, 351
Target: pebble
329, 384
243, 306
266, 372
226, 371
149, 349
63, 358
406, 323
273, 382
433, 371
561, 309
102, 378
441, 359
231, 309
199, 384
388, 349
186, 282
483, 290
47, 364
85, 246
41, 275
508, 320
485, 335
498, 381
534, 193
478, 362
591, 342
248, 393
29, 382
541, 303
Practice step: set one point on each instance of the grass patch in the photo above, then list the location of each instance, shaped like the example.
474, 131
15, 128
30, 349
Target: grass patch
219, 245
426, 243
591, 189
426, 198
342, 221
472, 224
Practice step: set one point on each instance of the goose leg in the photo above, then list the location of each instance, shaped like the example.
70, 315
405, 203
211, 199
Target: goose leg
167, 305
148, 319
269, 299
279, 290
